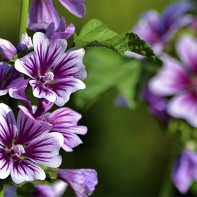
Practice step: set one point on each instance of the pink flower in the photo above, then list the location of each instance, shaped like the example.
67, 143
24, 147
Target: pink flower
180, 80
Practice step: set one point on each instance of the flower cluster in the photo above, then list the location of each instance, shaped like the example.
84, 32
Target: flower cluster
32, 143
172, 92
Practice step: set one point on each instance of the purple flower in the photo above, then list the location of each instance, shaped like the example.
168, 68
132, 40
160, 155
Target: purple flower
62, 32
121, 102
56, 190
26, 139
185, 170
55, 74
179, 80
157, 30
157, 105
8, 51
10, 80
64, 121
82, 181
43, 12
10, 192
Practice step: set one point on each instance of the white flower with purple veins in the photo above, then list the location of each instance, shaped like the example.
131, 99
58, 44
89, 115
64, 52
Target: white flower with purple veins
179, 79
55, 73
24, 143
64, 121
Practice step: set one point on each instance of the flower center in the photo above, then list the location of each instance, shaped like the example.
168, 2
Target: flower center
45, 118
49, 76
17, 150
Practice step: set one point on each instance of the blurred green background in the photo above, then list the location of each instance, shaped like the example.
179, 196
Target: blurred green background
126, 147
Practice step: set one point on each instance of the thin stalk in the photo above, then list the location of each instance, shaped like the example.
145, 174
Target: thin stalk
23, 17
167, 188
2, 189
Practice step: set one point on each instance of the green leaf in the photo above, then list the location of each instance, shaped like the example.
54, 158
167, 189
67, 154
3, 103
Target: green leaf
127, 87
106, 69
94, 30
97, 34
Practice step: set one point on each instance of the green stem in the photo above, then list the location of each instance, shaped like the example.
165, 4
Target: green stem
2, 189
167, 187
23, 17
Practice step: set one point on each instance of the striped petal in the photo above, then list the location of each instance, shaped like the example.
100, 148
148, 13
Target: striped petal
45, 151
48, 51
7, 50
30, 130
76, 7
40, 92
64, 117
70, 65
28, 65
63, 88
5, 164
43, 12
23, 170
8, 128
82, 181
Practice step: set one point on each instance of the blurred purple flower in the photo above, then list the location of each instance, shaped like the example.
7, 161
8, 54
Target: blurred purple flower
43, 12
82, 181
10, 192
185, 170
56, 190
157, 30
121, 102
157, 105
55, 74
26, 139
8, 51
179, 80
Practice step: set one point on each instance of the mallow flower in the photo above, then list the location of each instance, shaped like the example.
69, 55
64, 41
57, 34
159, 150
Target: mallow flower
82, 181
54, 31
43, 12
62, 32
8, 50
158, 30
185, 170
55, 74
63, 120
25, 143
180, 80
10, 79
